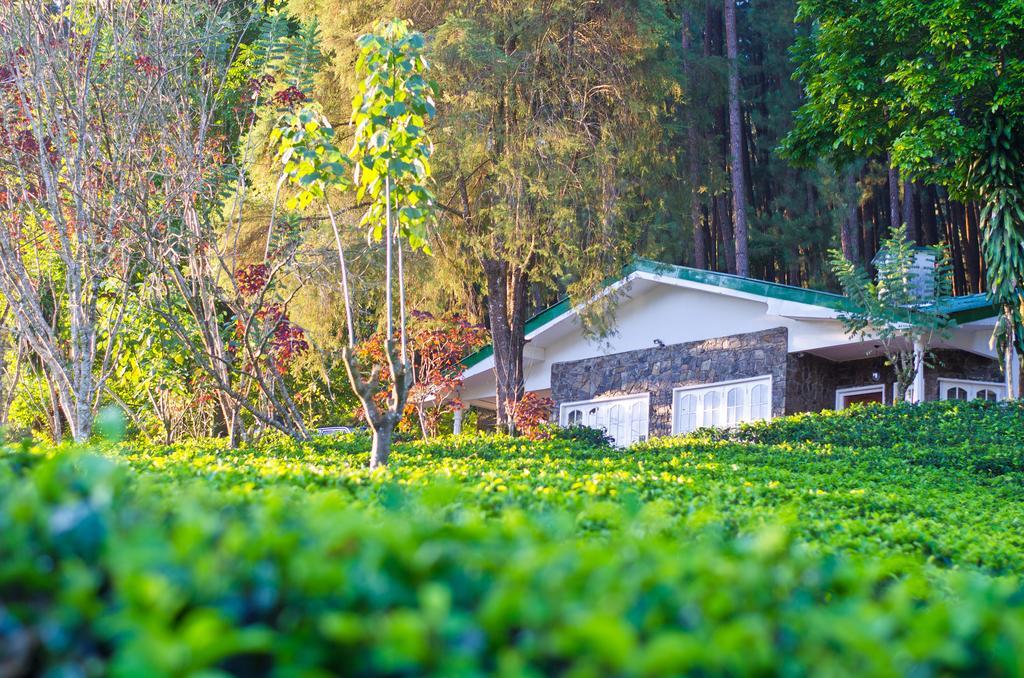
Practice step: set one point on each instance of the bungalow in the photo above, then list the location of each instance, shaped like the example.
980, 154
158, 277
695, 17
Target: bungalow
697, 348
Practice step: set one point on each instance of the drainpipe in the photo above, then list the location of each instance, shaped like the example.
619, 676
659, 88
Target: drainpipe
457, 421
919, 374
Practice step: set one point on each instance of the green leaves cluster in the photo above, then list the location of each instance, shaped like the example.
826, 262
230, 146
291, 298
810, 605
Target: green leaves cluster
902, 297
388, 166
913, 77
999, 176
901, 306
391, 150
868, 551
309, 159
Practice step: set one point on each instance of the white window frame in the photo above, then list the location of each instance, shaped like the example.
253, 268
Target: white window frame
972, 387
722, 387
565, 408
841, 393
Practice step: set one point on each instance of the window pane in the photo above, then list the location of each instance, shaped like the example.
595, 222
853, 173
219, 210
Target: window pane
734, 402
712, 412
956, 393
760, 402
615, 423
575, 418
636, 419
986, 394
687, 413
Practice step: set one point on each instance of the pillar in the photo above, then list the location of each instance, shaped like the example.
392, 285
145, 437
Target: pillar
919, 374
1013, 375
457, 420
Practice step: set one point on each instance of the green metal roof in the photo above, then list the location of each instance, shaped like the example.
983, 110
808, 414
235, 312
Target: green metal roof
961, 309
969, 307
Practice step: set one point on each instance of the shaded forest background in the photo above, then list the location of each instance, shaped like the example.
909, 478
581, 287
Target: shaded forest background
674, 200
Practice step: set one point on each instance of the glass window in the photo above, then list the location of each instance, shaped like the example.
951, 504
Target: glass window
734, 405
623, 419
638, 421
956, 393
760, 402
727, 403
616, 423
965, 389
687, 413
712, 410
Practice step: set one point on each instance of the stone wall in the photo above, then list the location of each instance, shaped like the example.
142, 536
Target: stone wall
659, 370
959, 365
811, 382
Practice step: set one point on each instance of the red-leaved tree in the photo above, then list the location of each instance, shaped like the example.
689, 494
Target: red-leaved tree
437, 346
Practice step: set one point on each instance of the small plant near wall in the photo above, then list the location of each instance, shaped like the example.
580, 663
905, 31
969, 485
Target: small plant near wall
898, 310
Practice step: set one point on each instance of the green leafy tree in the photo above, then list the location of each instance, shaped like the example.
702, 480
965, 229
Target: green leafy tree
898, 309
390, 173
940, 87
999, 176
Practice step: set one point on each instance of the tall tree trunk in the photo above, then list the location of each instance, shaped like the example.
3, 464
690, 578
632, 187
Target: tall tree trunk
700, 259
725, 232
907, 211
708, 223
55, 407
506, 304
850, 236
972, 246
894, 195
736, 172
953, 230
928, 212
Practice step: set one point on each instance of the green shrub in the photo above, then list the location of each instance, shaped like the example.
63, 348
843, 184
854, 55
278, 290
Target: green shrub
475, 555
587, 435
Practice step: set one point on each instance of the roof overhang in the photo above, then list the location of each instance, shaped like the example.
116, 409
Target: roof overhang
786, 301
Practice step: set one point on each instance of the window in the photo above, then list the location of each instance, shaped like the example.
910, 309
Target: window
624, 420
761, 402
956, 393
724, 403
712, 411
734, 403
964, 389
686, 413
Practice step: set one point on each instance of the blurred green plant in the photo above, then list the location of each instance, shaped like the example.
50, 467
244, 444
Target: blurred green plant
888, 545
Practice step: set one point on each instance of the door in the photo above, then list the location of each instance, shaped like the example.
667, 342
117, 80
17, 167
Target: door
871, 397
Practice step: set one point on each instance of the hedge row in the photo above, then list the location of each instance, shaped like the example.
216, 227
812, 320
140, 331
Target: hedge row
934, 495
478, 556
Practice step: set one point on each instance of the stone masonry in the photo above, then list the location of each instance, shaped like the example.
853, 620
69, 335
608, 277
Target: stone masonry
659, 370
811, 381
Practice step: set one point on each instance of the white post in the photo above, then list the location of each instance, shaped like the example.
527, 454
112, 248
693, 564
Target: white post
919, 373
1013, 376
457, 421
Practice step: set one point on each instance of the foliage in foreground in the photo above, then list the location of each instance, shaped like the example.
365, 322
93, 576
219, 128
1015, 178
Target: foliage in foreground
873, 541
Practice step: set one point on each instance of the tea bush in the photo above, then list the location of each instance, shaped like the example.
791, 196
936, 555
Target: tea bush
820, 543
